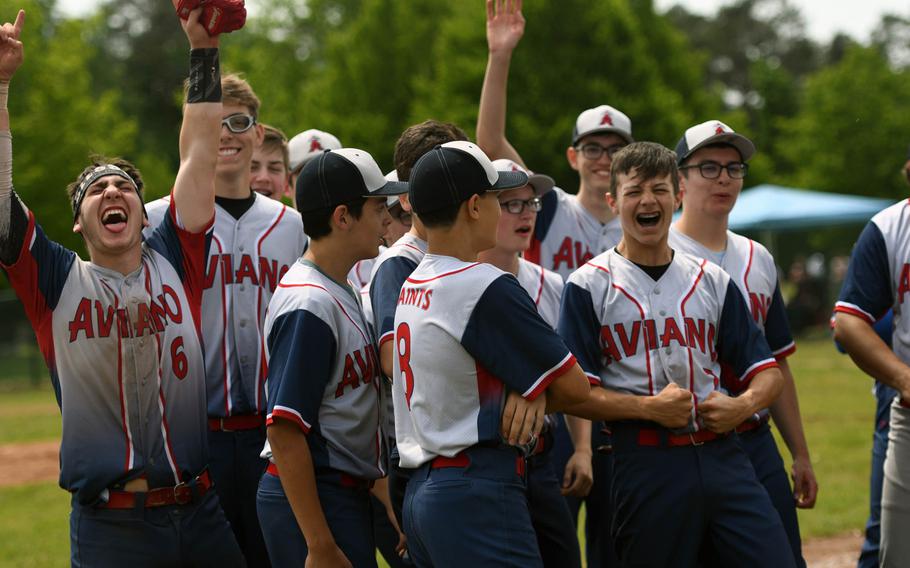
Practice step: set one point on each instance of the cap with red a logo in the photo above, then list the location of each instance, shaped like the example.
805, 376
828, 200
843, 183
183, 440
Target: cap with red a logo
712, 132
602, 120
540, 183
308, 144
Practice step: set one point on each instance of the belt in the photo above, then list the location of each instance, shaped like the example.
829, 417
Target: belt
236, 423
161, 496
346, 479
463, 460
651, 437
750, 425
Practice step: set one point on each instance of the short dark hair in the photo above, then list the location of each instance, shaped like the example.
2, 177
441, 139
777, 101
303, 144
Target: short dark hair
418, 139
649, 159
440, 218
99, 160
318, 222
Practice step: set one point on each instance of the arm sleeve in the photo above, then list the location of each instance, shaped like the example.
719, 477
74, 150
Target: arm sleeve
580, 329
777, 327
526, 361
13, 225
301, 353
384, 292
867, 291
740, 344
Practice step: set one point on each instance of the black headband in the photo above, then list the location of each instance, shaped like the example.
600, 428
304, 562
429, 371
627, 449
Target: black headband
93, 176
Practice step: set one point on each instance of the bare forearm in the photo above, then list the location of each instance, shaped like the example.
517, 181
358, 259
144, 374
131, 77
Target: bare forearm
763, 390
291, 454
491, 116
567, 390
580, 433
386, 357
870, 353
609, 405
786, 415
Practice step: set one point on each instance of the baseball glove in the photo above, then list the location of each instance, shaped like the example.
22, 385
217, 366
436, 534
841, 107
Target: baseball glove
218, 16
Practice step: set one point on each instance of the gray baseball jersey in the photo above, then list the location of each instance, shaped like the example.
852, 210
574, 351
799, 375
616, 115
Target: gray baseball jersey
545, 288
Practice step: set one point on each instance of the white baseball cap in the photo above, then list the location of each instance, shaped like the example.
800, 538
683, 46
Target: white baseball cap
603, 119
391, 200
539, 182
712, 132
304, 146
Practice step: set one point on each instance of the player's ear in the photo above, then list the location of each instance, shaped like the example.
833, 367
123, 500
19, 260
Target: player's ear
341, 217
472, 206
260, 134
611, 201
405, 202
77, 227
572, 157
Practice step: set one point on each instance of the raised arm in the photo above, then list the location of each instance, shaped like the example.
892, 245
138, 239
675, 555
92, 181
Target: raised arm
194, 189
11, 57
505, 26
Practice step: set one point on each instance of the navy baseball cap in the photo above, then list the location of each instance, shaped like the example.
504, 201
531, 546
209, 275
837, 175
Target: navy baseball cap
340, 176
452, 172
712, 132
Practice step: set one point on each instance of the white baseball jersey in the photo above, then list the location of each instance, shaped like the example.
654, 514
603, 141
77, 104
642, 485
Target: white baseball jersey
125, 357
878, 277
752, 269
544, 287
457, 350
359, 276
636, 335
247, 258
324, 371
391, 269
566, 235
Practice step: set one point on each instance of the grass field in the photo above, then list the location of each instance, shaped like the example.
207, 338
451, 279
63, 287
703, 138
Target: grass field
837, 412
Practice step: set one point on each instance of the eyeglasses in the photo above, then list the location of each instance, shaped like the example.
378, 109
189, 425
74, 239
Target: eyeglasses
711, 170
594, 151
517, 206
238, 123
401, 216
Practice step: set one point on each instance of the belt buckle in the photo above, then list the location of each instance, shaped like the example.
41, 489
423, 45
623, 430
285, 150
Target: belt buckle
694, 441
183, 493
223, 427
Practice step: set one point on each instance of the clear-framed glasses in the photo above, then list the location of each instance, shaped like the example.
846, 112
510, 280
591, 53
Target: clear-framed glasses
711, 170
238, 123
593, 151
517, 206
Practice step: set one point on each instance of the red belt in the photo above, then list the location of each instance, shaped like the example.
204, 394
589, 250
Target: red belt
235, 423
161, 496
347, 480
648, 437
463, 460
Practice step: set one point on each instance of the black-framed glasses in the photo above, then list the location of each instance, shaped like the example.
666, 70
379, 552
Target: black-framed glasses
594, 151
238, 123
711, 170
517, 206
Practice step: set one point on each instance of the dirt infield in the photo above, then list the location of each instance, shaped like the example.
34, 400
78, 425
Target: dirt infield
39, 462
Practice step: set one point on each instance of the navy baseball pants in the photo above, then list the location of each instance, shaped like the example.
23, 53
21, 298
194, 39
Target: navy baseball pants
550, 515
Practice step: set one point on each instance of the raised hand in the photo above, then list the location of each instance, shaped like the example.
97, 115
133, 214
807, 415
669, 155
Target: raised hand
505, 25
196, 32
11, 51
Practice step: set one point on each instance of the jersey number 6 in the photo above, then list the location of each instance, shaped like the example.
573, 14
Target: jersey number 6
403, 347
178, 358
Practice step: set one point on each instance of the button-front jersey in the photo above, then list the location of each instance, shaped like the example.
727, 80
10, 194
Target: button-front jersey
878, 277
125, 357
324, 371
462, 335
247, 259
635, 335
545, 288
566, 235
391, 269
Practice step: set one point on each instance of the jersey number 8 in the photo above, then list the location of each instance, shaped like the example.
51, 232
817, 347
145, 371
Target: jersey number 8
403, 348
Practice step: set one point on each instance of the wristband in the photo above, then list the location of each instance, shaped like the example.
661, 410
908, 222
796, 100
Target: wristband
205, 76
4, 94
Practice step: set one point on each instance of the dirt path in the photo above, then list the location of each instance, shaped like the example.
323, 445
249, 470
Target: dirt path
38, 462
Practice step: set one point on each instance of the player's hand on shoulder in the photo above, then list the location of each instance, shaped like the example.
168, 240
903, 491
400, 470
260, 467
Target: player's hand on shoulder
329, 556
805, 486
505, 25
671, 407
195, 31
522, 419
11, 49
721, 413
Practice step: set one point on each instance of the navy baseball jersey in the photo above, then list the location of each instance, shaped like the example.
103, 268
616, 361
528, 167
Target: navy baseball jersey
566, 235
324, 371
544, 287
125, 357
878, 277
635, 335
391, 269
246, 260
457, 350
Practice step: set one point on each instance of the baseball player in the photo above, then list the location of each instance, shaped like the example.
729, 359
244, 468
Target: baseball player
392, 268
654, 326
270, 168
877, 280
255, 241
461, 334
307, 145
323, 420
713, 161
550, 515
122, 339
569, 231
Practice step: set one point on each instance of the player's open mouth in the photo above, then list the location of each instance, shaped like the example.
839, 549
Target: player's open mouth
523, 230
648, 219
114, 219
